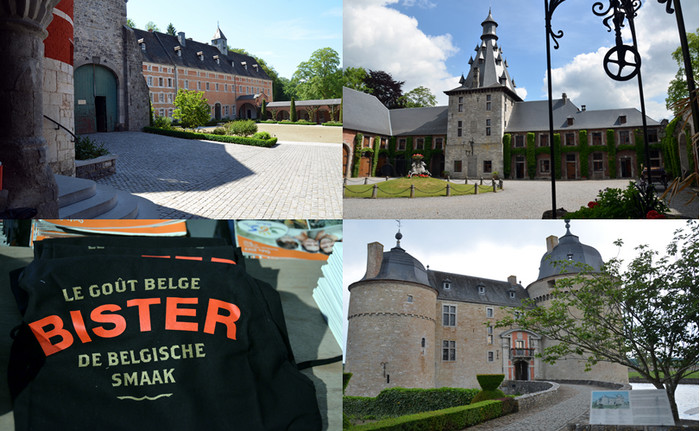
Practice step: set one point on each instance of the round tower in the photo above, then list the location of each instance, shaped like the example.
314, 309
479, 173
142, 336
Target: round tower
391, 324
563, 258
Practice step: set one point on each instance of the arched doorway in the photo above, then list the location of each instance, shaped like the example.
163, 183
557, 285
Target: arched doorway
365, 165
522, 370
217, 111
96, 101
282, 115
519, 167
382, 160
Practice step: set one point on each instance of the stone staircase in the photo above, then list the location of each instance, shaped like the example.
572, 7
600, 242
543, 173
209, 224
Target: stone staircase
84, 199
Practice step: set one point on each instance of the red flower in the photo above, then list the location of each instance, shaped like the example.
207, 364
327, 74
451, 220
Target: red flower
593, 204
653, 214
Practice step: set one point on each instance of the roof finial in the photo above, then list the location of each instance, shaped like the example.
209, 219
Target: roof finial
398, 235
567, 224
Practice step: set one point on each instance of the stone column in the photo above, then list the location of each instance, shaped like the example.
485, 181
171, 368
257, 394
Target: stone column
27, 177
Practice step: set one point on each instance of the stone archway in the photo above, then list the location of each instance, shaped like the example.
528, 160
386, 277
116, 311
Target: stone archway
96, 99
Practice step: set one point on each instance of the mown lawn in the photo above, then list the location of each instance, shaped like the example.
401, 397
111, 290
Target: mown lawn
635, 374
401, 188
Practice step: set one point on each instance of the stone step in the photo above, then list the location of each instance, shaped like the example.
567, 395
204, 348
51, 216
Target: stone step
72, 190
103, 201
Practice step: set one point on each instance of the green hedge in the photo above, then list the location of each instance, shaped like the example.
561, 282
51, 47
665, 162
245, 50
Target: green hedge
332, 123
490, 382
401, 401
454, 418
211, 137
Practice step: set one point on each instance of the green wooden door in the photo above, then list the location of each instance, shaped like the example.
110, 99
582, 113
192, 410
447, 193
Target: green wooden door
96, 105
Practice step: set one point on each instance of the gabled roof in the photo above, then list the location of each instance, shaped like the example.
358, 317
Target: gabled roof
534, 116
365, 113
219, 34
160, 49
464, 288
315, 102
419, 121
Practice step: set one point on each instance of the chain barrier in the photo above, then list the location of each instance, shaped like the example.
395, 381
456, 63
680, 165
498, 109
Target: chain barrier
454, 187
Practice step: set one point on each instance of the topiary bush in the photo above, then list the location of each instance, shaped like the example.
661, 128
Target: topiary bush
400, 401
219, 131
241, 127
262, 135
489, 385
86, 148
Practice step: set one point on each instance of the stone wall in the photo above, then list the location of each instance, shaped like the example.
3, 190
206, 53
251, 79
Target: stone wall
58, 105
96, 168
537, 393
138, 108
386, 329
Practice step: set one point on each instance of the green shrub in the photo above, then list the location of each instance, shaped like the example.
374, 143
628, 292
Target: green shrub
489, 382
631, 203
163, 123
219, 131
401, 401
488, 395
211, 137
454, 418
86, 148
241, 127
332, 123
262, 135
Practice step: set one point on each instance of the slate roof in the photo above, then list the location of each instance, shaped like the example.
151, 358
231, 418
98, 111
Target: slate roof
534, 116
419, 121
365, 113
569, 249
160, 49
464, 288
285, 104
400, 266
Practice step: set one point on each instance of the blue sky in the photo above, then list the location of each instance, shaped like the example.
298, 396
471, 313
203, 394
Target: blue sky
493, 249
282, 33
428, 42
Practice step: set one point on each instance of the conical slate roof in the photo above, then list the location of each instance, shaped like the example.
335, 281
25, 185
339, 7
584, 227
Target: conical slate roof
571, 252
218, 35
401, 266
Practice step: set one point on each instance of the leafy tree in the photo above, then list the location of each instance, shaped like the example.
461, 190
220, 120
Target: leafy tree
152, 26
191, 108
292, 111
419, 97
171, 30
320, 77
354, 77
384, 88
130, 23
678, 87
644, 317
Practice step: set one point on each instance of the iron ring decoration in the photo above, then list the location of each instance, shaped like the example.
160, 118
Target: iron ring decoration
620, 62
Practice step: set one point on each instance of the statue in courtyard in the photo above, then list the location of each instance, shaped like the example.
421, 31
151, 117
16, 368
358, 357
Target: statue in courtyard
418, 167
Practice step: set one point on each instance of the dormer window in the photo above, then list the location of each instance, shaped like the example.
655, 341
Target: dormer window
569, 121
481, 288
200, 54
142, 44
178, 50
446, 284
244, 64
216, 58
255, 66
623, 119
512, 294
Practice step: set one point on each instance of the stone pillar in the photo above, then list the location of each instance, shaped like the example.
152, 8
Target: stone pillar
27, 176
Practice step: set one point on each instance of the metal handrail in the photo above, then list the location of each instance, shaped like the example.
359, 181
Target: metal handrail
60, 126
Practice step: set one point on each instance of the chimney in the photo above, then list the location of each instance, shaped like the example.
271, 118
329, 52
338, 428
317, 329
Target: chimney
181, 38
552, 241
563, 96
513, 280
375, 253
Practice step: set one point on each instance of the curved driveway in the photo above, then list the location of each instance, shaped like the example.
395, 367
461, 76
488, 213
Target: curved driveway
189, 178
570, 406
517, 200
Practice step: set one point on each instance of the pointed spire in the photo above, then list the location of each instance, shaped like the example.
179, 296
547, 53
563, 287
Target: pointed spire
398, 235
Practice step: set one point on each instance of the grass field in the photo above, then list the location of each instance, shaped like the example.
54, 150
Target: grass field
401, 188
634, 374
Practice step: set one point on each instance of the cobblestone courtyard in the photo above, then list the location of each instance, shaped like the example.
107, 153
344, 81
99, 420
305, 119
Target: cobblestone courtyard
193, 179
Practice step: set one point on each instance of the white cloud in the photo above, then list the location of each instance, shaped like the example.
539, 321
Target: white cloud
584, 80
380, 38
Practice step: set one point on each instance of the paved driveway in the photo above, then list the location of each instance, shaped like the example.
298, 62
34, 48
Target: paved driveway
193, 179
517, 200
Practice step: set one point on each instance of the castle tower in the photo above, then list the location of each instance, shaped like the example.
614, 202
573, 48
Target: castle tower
479, 110
391, 324
562, 259
219, 41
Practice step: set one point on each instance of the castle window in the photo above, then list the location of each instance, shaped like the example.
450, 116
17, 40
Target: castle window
437, 143
161, 98
516, 315
598, 162
597, 138
487, 166
226, 110
488, 106
488, 97
544, 166
481, 288
519, 344
422, 342
624, 137
488, 131
512, 295
207, 84
217, 86
489, 312
410, 298
449, 315
458, 166
150, 81
519, 141
544, 140
489, 334
459, 129
160, 82
448, 350
402, 144
419, 143
383, 144
170, 82
490, 356
446, 284
570, 139
460, 107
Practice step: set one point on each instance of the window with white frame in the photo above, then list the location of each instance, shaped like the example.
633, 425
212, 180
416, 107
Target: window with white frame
409, 299
489, 334
419, 143
489, 312
490, 356
402, 144
438, 143
449, 350
446, 284
598, 161
544, 166
150, 81
449, 315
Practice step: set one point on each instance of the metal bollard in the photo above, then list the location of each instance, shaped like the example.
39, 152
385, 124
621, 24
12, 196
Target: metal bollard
500, 184
449, 191
374, 191
366, 180
494, 186
476, 189
413, 191
481, 181
466, 181
386, 178
345, 181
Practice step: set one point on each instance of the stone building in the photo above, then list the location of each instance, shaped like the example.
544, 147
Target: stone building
414, 327
234, 84
110, 91
487, 129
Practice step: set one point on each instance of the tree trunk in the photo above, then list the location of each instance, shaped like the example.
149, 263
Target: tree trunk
671, 394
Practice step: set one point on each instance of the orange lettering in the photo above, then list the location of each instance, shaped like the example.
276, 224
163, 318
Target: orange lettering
144, 311
44, 336
115, 319
79, 326
213, 317
172, 312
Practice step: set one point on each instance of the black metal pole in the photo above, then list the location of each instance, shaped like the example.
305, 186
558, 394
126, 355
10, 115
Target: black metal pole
692, 91
552, 168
